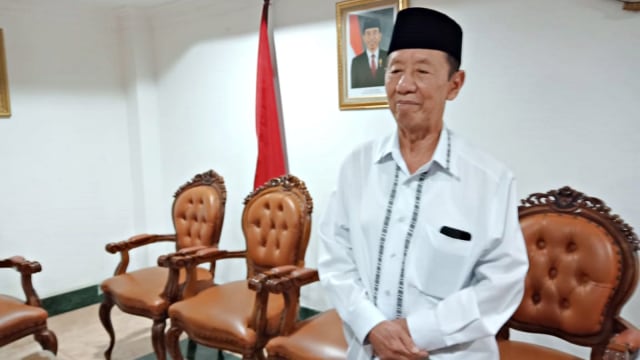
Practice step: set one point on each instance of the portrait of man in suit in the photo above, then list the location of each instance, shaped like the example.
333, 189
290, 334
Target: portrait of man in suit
367, 68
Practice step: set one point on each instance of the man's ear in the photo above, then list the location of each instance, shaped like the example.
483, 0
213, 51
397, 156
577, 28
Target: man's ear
456, 82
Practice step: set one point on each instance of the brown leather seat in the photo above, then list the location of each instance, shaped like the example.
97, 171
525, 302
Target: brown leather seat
198, 214
240, 316
22, 318
583, 268
317, 338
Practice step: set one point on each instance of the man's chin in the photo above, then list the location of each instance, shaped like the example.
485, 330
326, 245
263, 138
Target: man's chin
405, 116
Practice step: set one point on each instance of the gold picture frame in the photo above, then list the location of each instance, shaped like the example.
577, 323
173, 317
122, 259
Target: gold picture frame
5, 103
360, 81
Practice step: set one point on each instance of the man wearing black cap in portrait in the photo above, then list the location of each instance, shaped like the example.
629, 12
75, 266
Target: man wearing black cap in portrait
421, 251
367, 68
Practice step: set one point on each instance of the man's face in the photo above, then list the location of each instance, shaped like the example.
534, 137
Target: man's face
372, 37
417, 84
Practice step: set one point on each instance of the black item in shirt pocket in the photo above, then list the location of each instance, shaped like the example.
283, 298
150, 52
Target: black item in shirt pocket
455, 233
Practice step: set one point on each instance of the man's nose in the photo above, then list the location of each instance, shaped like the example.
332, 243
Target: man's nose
406, 83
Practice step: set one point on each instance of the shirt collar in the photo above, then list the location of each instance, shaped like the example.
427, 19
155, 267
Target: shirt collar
389, 149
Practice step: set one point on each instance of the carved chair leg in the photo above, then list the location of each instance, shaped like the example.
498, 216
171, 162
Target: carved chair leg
173, 345
157, 339
105, 319
192, 347
48, 340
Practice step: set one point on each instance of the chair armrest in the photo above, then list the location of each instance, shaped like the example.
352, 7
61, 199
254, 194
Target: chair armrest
195, 256
289, 285
189, 259
293, 280
21, 265
258, 318
258, 281
212, 254
25, 268
172, 287
133, 242
626, 342
165, 260
137, 241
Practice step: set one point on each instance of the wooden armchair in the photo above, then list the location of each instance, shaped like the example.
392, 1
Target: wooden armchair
319, 337
22, 318
198, 214
583, 268
241, 315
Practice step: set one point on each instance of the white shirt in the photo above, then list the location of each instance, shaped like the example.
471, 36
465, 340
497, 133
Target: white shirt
455, 293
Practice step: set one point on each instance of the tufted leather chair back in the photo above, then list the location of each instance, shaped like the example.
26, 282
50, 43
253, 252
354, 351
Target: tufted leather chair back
583, 267
198, 211
276, 223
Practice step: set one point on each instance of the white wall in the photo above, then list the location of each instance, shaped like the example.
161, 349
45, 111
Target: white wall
133, 103
66, 182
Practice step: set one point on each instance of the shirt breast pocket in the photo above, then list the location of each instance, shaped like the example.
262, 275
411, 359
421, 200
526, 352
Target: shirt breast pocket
440, 264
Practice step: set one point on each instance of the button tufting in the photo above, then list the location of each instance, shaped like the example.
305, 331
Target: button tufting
541, 244
564, 303
553, 272
584, 279
572, 246
536, 298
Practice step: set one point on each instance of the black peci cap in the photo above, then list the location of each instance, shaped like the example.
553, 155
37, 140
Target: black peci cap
370, 22
422, 28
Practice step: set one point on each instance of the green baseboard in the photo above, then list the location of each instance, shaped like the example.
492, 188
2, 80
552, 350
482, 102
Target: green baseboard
72, 300
306, 313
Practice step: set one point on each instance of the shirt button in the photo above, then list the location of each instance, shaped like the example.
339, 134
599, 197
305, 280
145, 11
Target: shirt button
393, 255
402, 219
387, 292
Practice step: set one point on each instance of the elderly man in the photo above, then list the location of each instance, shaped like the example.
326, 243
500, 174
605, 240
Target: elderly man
421, 249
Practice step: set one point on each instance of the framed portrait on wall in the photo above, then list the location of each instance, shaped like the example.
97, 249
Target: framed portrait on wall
364, 31
5, 106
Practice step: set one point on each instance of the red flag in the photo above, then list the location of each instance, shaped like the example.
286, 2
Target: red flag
355, 39
271, 154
